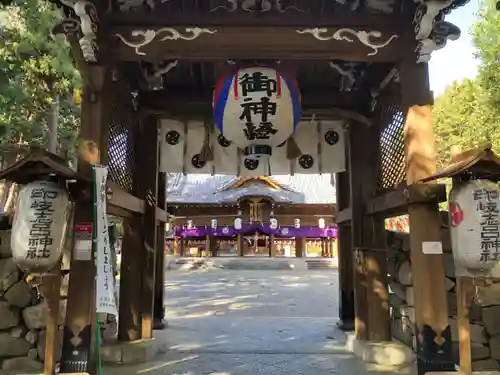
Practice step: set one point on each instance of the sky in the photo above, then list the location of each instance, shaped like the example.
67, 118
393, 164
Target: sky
455, 61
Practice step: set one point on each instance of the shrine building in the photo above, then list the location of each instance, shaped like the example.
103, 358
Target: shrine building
282, 216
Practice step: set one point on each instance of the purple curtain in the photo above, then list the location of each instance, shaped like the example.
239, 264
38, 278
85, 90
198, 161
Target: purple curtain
284, 231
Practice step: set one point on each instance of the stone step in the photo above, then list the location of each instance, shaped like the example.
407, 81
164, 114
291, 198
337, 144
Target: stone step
316, 264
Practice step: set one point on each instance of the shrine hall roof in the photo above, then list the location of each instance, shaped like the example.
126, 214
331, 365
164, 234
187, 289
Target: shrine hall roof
207, 189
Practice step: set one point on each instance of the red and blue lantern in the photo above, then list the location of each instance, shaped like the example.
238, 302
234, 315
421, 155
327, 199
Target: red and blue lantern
258, 106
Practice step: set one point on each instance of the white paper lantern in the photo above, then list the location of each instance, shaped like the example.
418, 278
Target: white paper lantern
39, 226
214, 224
273, 223
256, 106
168, 226
474, 212
296, 223
237, 223
321, 223
190, 224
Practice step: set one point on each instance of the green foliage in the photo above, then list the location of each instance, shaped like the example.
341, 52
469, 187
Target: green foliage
34, 68
468, 113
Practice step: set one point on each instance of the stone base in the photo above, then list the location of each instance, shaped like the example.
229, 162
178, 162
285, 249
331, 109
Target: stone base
390, 353
138, 351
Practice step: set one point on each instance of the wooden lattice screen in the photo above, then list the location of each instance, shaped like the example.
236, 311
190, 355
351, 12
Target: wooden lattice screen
392, 170
121, 140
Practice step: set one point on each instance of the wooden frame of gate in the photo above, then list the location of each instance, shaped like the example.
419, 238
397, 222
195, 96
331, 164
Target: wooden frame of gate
125, 51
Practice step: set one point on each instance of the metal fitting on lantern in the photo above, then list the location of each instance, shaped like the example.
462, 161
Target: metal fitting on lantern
258, 151
296, 223
321, 223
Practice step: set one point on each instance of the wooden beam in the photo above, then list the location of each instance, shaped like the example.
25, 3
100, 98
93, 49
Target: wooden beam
257, 42
161, 215
344, 215
172, 17
184, 211
120, 198
196, 100
395, 202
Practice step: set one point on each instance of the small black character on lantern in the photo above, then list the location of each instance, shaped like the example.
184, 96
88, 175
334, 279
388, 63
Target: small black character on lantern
257, 82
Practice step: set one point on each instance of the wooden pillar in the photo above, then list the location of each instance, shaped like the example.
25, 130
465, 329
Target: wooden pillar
272, 246
323, 247
176, 249
240, 245
371, 292
182, 243
130, 322
76, 351
335, 248
213, 246
159, 303
345, 251
300, 243
432, 329
146, 154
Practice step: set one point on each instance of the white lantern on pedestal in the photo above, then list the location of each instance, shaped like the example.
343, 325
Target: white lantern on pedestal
474, 212
237, 223
213, 224
296, 223
273, 223
321, 223
39, 226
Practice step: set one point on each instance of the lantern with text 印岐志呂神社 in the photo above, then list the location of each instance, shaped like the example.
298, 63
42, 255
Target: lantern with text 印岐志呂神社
39, 227
256, 109
474, 216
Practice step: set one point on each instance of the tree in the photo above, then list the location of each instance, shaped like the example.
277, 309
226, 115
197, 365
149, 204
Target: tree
469, 112
486, 39
34, 67
463, 118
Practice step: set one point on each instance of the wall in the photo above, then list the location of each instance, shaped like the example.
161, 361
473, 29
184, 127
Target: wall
22, 315
484, 311
23, 310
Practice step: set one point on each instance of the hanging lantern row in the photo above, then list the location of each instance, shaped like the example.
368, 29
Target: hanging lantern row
238, 222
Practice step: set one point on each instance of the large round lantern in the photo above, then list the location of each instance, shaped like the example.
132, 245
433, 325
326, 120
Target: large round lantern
39, 226
256, 109
474, 213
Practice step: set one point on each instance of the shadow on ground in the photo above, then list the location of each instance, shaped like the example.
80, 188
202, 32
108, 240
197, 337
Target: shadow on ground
253, 322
